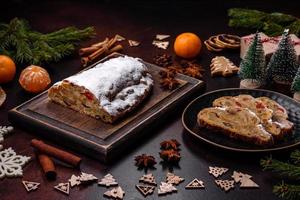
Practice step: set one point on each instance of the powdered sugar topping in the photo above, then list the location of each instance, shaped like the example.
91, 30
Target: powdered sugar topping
117, 83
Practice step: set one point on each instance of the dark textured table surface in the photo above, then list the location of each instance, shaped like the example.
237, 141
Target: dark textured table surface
138, 21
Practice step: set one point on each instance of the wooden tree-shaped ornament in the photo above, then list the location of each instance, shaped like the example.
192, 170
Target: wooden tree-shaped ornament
174, 179
145, 189
195, 184
283, 64
108, 180
253, 66
217, 171
296, 86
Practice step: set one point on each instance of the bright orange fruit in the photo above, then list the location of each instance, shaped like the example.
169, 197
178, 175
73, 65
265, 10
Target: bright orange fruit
34, 79
187, 45
7, 69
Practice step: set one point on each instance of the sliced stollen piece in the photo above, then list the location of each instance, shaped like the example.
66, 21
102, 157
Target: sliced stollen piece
235, 122
272, 115
106, 91
221, 66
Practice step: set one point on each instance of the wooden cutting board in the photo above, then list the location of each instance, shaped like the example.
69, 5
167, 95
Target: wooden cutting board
93, 137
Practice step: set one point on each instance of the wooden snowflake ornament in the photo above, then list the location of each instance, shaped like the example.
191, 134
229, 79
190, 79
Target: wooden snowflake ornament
217, 171
145, 189
149, 179
11, 164
108, 180
30, 186
195, 184
115, 193
63, 187
226, 185
166, 188
5, 130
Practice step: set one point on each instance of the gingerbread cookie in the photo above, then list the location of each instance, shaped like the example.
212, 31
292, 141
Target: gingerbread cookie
222, 66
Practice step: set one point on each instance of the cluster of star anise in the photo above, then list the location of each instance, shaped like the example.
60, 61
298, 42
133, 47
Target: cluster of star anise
170, 151
189, 68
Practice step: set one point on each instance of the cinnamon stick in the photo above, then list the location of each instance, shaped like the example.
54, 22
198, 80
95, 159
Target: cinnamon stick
47, 166
103, 49
94, 47
55, 152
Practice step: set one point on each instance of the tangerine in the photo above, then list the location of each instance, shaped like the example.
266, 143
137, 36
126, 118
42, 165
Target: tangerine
34, 79
187, 45
7, 69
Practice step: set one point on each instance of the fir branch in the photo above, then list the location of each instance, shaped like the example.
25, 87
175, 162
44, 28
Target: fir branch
25, 45
295, 156
282, 168
287, 191
271, 23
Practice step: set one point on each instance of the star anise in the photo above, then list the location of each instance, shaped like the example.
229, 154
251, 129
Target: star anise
163, 60
145, 161
170, 156
166, 74
170, 144
175, 69
193, 71
169, 83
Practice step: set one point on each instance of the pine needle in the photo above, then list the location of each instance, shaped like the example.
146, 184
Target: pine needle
25, 45
282, 168
287, 191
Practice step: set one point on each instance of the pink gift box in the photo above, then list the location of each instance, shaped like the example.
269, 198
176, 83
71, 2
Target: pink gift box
269, 44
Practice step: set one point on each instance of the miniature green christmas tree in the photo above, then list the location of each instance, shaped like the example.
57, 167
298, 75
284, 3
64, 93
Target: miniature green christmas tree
253, 66
283, 64
296, 86
289, 170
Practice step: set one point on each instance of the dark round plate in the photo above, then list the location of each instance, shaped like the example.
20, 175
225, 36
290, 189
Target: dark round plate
189, 120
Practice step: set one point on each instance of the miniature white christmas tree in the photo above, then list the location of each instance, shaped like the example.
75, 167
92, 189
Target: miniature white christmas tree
283, 66
253, 66
296, 86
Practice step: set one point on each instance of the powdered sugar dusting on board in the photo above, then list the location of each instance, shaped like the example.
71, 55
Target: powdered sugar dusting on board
117, 83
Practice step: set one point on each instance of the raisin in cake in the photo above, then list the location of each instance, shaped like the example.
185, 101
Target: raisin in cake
106, 91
